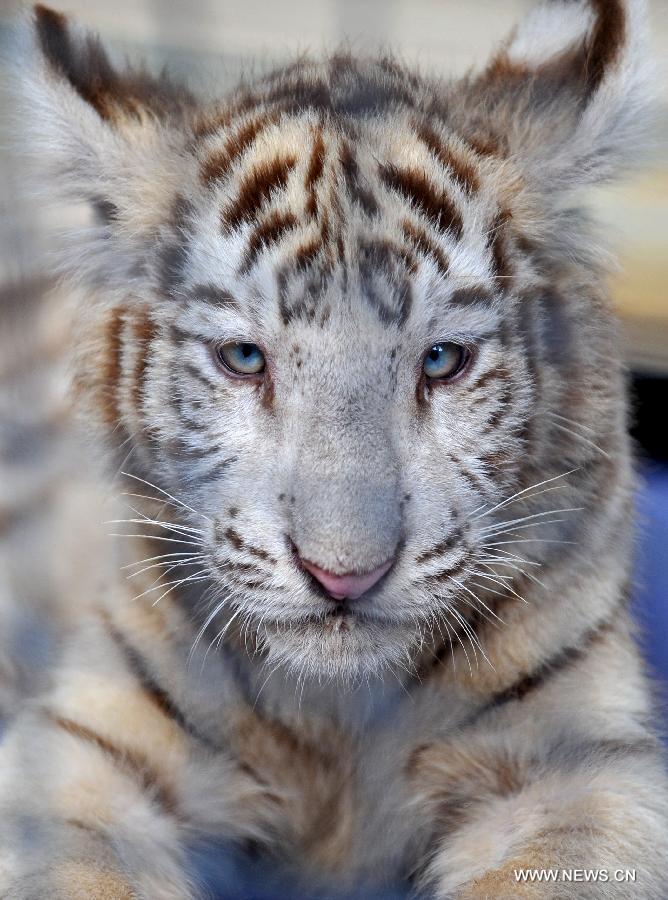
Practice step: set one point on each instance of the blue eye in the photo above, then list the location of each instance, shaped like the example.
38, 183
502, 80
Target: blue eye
241, 357
444, 360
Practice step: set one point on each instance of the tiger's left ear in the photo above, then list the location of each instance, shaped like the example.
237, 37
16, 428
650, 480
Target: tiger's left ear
569, 96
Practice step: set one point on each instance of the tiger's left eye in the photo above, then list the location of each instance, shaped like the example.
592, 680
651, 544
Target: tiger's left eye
241, 357
444, 360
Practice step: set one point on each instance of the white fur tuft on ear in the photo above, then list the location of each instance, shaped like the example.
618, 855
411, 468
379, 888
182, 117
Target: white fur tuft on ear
570, 94
548, 30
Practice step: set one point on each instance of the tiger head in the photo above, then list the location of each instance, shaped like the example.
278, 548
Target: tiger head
352, 319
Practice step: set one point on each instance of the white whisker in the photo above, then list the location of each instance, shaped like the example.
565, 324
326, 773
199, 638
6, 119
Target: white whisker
547, 512
581, 437
156, 537
520, 494
169, 566
149, 559
183, 530
529, 541
166, 493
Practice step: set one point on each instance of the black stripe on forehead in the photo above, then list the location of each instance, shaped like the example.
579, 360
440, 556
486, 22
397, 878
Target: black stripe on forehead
218, 164
300, 293
461, 169
425, 197
255, 189
425, 245
212, 295
384, 269
358, 192
472, 295
265, 234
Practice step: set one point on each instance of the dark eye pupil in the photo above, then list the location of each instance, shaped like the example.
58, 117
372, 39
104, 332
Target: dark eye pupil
434, 354
247, 350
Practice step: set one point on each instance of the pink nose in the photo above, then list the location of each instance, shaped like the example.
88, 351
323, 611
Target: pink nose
348, 586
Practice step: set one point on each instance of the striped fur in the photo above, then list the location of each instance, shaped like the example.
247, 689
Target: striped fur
484, 707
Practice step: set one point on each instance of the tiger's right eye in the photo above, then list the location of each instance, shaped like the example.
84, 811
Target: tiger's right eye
241, 357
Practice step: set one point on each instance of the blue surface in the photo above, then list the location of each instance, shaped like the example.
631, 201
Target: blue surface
652, 576
230, 875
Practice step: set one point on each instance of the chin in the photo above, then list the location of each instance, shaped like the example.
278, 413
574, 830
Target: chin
343, 647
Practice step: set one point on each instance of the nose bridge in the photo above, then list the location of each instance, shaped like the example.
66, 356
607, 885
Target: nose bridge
346, 514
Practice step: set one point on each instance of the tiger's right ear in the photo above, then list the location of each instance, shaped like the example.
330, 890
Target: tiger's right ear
80, 61
96, 130
113, 137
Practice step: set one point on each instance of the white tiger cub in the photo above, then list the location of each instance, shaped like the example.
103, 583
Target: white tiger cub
345, 333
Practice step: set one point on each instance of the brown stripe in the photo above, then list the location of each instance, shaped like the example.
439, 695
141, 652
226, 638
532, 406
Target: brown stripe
239, 543
566, 658
296, 95
306, 253
181, 336
497, 242
181, 448
587, 62
211, 122
314, 172
266, 233
112, 366
484, 145
446, 574
218, 165
438, 549
132, 762
260, 554
463, 171
498, 415
144, 330
428, 199
484, 379
495, 459
235, 539
607, 40
424, 244
255, 189
152, 690
246, 568
173, 254
390, 296
472, 480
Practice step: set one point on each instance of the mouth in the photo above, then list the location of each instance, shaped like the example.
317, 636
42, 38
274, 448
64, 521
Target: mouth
337, 644
337, 620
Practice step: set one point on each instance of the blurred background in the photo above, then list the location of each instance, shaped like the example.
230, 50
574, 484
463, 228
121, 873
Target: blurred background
211, 42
